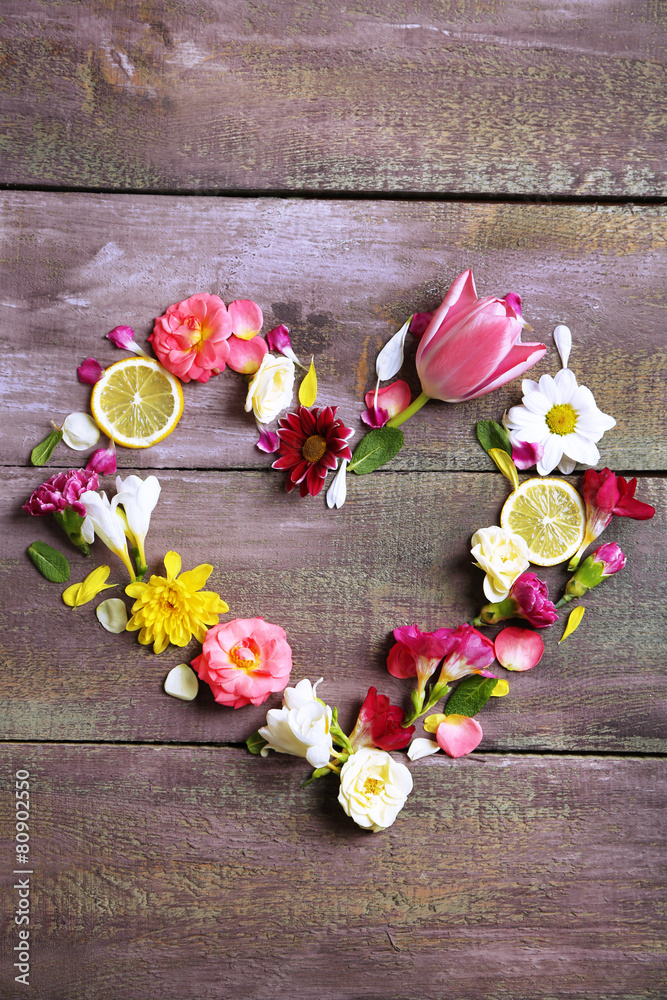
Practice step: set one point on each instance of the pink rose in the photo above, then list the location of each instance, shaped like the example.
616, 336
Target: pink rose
244, 661
190, 340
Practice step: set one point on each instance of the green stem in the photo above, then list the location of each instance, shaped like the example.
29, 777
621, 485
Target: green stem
415, 405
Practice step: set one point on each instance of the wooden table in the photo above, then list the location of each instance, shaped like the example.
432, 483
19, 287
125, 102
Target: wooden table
340, 165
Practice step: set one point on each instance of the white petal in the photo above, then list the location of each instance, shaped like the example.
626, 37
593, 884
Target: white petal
553, 452
80, 431
337, 492
422, 748
181, 682
566, 465
529, 385
563, 338
536, 403
566, 385
532, 433
580, 449
318, 755
112, 615
390, 359
592, 425
547, 386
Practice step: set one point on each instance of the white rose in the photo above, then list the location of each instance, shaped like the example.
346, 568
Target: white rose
373, 788
503, 557
301, 727
271, 388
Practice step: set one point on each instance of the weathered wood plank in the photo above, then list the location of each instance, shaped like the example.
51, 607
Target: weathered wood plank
343, 276
338, 582
204, 873
518, 96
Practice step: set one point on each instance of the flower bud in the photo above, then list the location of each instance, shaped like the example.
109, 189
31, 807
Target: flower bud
528, 598
603, 563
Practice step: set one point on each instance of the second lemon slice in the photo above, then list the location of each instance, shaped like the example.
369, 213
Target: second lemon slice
549, 515
137, 402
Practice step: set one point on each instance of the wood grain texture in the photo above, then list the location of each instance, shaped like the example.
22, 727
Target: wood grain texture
502, 878
338, 582
343, 276
498, 96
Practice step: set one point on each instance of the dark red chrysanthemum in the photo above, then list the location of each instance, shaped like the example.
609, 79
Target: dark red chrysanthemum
311, 442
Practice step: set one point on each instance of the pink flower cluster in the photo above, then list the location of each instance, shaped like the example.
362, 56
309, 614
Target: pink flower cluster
61, 491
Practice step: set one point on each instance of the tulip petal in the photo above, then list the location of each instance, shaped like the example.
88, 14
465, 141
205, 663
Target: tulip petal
458, 735
393, 398
246, 317
501, 689
422, 748
245, 356
519, 359
518, 648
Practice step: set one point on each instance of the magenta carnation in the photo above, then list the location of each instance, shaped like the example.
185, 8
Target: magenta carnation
61, 491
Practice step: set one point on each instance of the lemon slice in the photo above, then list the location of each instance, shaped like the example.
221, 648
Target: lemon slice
549, 515
137, 402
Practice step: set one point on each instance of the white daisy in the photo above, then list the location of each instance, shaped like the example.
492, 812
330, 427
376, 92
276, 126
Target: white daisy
562, 417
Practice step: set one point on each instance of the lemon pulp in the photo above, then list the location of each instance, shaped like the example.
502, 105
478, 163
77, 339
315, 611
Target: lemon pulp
137, 402
549, 515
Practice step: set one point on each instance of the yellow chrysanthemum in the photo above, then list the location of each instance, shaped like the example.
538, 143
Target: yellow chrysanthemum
173, 609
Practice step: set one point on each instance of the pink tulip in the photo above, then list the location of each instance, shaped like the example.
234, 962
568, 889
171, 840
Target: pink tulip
518, 648
472, 346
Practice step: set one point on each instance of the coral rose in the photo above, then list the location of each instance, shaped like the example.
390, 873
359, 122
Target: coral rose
244, 661
190, 340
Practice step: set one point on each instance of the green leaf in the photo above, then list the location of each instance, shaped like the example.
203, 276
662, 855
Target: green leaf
50, 563
255, 743
42, 452
492, 435
375, 449
470, 695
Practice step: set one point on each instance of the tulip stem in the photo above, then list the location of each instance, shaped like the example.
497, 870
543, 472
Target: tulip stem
415, 405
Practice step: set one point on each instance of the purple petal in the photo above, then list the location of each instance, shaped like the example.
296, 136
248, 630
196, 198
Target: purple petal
90, 371
123, 337
279, 338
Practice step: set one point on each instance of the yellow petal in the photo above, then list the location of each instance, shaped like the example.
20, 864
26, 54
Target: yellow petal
308, 388
172, 562
81, 593
135, 589
500, 690
194, 579
506, 465
572, 622
431, 722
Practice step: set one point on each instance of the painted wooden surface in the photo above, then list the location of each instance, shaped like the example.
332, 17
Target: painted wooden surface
338, 582
486, 96
503, 877
343, 276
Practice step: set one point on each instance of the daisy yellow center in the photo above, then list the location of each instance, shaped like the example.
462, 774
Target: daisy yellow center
313, 448
561, 419
245, 655
373, 786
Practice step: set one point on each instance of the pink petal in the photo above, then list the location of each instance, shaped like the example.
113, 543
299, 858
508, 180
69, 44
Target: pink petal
245, 356
246, 317
375, 416
122, 336
103, 461
419, 324
268, 441
459, 735
526, 454
90, 371
393, 398
279, 338
519, 359
518, 648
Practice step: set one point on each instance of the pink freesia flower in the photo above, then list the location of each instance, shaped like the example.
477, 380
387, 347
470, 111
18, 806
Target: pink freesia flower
245, 356
518, 648
603, 563
458, 735
607, 495
90, 371
190, 340
61, 491
472, 346
244, 661
526, 454
246, 317
467, 652
267, 441
103, 461
419, 323
390, 400
379, 724
417, 653
612, 558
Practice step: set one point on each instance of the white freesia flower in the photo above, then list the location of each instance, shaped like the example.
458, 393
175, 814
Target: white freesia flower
337, 492
373, 788
102, 519
301, 727
80, 431
271, 388
562, 417
503, 557
138, 498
